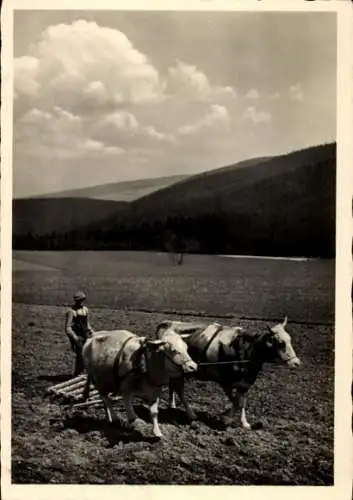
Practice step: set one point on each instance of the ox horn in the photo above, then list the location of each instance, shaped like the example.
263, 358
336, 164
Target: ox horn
155, 343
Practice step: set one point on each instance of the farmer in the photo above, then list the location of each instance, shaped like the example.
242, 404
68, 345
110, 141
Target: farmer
78, 328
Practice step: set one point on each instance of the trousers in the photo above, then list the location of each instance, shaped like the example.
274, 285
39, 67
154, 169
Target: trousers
76, 346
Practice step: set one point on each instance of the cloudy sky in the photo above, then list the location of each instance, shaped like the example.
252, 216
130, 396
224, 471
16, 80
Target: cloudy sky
113, 96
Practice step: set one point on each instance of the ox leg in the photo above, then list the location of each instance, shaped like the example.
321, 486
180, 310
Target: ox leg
238, 403
172, 403
242, 403
172, 400
131, 415
244, 421
107, 408
154, 416
179, 386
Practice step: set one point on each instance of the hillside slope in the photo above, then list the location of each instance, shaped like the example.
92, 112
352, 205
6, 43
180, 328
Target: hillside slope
232, 188
119, 191
283, 205
41, 216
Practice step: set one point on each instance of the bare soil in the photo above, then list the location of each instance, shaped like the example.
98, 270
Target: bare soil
294, 446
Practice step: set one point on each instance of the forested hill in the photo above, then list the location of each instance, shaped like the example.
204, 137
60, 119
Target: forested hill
283, 205
44, 216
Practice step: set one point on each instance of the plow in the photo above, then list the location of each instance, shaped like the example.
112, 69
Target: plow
70, 392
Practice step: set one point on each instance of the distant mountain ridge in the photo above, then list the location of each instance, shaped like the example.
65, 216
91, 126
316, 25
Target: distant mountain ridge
217, 188
117, 191
281, 205
67, 211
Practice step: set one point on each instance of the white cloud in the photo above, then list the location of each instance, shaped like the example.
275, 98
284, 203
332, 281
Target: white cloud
35, 116
25, 73
96, 92
186, 80
84, 62
255, 116
56, 134
121, 120
45, 124
274, 96
295, 92
159, 136
65, 115
88, 146
123, 125
65, 150
252, 94
84, 90
217, 118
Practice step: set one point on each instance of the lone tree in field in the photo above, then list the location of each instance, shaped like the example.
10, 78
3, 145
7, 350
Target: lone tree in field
174, 244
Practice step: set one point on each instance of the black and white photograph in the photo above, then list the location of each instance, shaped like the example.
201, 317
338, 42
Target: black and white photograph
174, 246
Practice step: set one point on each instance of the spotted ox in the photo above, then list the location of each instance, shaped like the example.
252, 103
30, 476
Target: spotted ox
230, 356
120, 362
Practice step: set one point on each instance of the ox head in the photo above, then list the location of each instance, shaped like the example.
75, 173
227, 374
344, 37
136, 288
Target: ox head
175, 351
279, 345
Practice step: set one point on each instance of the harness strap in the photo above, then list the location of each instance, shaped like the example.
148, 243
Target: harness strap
147, 374
140, 358
118, 379
203, 354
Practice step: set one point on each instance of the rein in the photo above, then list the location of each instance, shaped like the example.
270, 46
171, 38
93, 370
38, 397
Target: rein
235, 362
209, 363
223, 362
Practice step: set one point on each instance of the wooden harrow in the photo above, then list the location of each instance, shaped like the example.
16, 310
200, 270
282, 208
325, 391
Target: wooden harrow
69, 393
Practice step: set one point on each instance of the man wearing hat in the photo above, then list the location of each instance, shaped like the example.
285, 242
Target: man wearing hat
78, 328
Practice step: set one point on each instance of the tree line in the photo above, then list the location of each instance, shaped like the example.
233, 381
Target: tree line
215, 233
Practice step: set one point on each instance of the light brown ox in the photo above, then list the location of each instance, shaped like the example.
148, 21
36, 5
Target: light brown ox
120, 362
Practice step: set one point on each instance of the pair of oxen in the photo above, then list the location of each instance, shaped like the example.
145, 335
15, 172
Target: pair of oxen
121, 363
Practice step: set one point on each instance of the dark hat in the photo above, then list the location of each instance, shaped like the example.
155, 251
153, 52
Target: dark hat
79, 296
